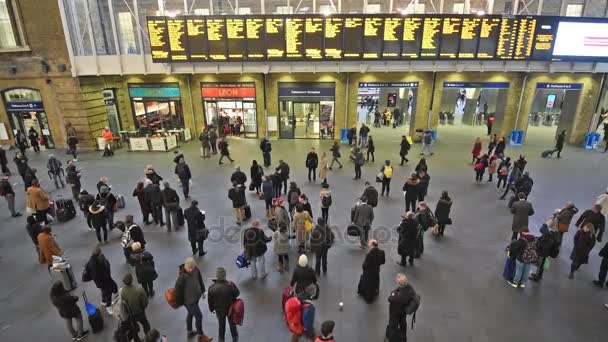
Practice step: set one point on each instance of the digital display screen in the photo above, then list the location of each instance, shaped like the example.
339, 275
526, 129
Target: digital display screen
450, 38
525, 37
333, 38
551, 101
275, 38
581, 39
294, 38
412, 35
489, 34
372, 37
159, 39
178, 42
197, 39
235, 32
216, 36
313, 29
256, 38
506, 38
431, 37
469, 38
391, 37
353, 37
544, 37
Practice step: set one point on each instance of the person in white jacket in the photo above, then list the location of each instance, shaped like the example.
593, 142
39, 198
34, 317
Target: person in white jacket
603, 201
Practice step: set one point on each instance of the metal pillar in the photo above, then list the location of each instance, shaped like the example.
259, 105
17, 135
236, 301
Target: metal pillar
521, 97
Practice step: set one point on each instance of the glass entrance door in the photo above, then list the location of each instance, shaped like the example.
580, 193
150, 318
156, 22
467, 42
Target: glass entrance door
38, 120
299, 120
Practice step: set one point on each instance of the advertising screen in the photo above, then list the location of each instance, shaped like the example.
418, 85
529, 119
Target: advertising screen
581, 39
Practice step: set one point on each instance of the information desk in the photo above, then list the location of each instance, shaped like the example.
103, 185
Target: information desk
153, 144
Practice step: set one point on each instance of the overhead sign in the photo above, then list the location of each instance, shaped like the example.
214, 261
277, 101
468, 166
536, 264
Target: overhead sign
388, 84
487, 85
319, 89
228, 92
24, 106
153, 91
562, 86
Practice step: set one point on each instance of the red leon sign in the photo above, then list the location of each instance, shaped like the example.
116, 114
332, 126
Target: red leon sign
228, 92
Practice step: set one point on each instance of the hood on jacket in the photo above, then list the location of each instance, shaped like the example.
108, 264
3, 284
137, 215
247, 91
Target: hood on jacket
94, 209
412, 181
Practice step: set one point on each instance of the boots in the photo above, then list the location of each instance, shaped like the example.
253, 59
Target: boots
204, 338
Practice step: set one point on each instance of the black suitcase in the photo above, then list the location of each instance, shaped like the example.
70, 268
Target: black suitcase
65, 210
180, 217
94, 315
546, 153
247, 212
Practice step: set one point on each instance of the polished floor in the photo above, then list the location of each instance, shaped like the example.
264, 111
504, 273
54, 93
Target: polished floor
464, 297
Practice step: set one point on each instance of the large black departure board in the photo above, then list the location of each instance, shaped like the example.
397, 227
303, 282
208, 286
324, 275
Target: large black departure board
236, 38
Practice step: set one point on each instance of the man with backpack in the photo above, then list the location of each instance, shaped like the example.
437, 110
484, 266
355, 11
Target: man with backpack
55, 171
402, 301
525, 253
131, 233
321, 239
133, 302
387, 175
221, 297
547, 245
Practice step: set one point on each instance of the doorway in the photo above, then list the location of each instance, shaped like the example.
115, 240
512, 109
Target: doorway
26, 110
306, 110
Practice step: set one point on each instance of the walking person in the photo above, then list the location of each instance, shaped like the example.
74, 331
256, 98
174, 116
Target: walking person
514, 177
266, 148
189, 288
427, 140
321, 239
254, 244
38, 201
596, 218
399, 301
55, 171
326, 201
442, 212
335, 154
363, 218
584, 240
371, 149
601, 278
98, 219
182, 170
205, 144
20, 161
65, 303
73, 179
387, 175
521, 210
213, 140
6, 191
480, 168
525, 254
283, 170
171, 205
358, 160
34, 139
145, 269
476, 150
492, 166
499, 150
404, 149
559, 143
224, 151
411, 189
369, 282
323, 167
21, 142
197, 231
564, 218
503, 172
72, 140
107, 199
281, 246
256, 172
408, 232
222, 294
98, 270
237, 195
312, 162
154, 200
135, 299
492, 144
4, 163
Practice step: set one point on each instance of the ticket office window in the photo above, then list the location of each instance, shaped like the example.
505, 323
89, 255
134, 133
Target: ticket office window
152, 115
221, 113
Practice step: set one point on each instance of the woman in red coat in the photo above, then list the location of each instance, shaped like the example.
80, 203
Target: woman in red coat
476, 149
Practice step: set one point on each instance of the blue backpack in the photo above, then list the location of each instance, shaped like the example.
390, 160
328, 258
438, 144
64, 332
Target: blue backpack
241, 261
308, 316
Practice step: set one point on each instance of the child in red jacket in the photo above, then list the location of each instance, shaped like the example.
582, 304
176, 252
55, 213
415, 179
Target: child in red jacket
476, 149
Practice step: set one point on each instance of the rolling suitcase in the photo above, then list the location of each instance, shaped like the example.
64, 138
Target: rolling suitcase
64, 210
120, 201
247, 212
62, 272
546, 153
94, 315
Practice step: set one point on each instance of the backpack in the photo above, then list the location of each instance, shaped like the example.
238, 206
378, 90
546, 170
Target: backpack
293, 315
118, 307
412, 308
126, 241
530, 254
236, 312
326, 201
294, 197
241, 261
388, 171
308, 316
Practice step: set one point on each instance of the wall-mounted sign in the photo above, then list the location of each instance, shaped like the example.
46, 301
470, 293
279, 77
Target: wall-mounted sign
562, 86
153, 91
388, 84
24, 106
486, 85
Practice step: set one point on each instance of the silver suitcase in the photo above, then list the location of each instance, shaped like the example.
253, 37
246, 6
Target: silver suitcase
63, 272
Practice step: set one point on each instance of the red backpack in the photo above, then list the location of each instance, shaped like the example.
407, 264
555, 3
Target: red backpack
293, 315
236, 312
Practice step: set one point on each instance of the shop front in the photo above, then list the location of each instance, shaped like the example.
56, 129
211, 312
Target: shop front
110, 102
26, 111
231, 107
390, 100
307, 110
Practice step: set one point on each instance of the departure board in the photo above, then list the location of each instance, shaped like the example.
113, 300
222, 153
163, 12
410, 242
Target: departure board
256, 38
526, 27
275, 38
353, 37
294, 38
372, 37
197, 39
178, 40
235, 33
313, 36
488, 38
544, 38
391, 38
216, 36
333, 38
431, 29
412, 35
506, 38
469, 38
450, 37
159, 39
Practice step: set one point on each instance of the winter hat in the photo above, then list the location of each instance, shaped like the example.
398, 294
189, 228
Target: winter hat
544, 229
220, 273
303, 260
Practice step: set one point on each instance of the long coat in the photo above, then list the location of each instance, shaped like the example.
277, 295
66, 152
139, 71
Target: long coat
196, 222
324, 168
442, 211
583, 244
369, 283
521, 210
47, 248
98, 268
408, 236
298, 223
144, 266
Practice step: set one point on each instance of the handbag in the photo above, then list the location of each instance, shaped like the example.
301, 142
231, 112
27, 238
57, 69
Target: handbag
308, 225
379, 177
435, 230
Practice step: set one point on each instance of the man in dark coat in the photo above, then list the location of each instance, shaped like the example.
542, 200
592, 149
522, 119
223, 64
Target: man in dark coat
363, 218
596, 218
371, 194
171, 204
205, 144
85, 200
72, 177
583, 244
404, 149
197, 232
409, 231
21, 163
254, 244
369, 283
411, 189
182, 170
6, 191
521, 210
29, 177
154, 199
283, 170
399, 300
442, 211
4, 162
238, 176
312, 161
524, 184
237, 195
266, 148
321, 239
98, 270
21, 141
213, 141
224, 151
559, 143
222, 294
34, 139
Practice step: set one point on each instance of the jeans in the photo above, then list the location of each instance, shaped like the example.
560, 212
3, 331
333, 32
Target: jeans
321, 260
521, 272
70, 325
254, 269
363, 141
75, 192
410, 203
213, 146
194, 311
426, 148
267, 159
197, 246
58, 179
325, 214
73, 151
284, 187
313, 171
222, 317
541, 269
227, 156
105, 233
10, 200
185, 183
335, 159
143, 320
357, 171
386, 185
171, 217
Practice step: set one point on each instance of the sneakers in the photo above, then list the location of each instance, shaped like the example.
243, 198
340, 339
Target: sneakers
512, 284
84, 334
109, 310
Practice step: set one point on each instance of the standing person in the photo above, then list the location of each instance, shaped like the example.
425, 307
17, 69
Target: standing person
256, 173
584, 241
277, 183
266, 148
327, 331
224, 151
4, 163
387, 175
72, 140
601, 278
182, 170
363, 218
358, 161
503, 172
144, 206
154, 200
421, 166
399, 301
321, 239
73, 179
34, 139
144, 267
30, 177
98, 270
411, 189
238, 176
335, 154
492, 144
33, 229
205, 144
55, 171
427, 140
425, 180
476, 150
559, 143
6, 191
480, 168
39, 201
363, 133
189, 288
352, 135
404, 149
492, 166
371, 193
371, 149
369, 282
21, 142
300, 217
98, 219
490, 123
596, 218
254, 244
21, 162
521, 163
324, 166
222, 294
326, 201
442, 211
281, 247
425, 218
521, 210
108, 200
280, 214
499, 150
547, 245
303, 200
131, 233
312, 162
135, 299
602, 200
524, 184
106, 134
237, 195
85, 200
152, 175
564, 218
283, 170
408, 239
268, 193
197, 231
102, 181
303, 276
213, 140
171, 205
525, 253
47, 246
65, 303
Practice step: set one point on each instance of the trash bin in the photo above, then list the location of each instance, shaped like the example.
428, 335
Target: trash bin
433, 135
516, 137
592, 140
